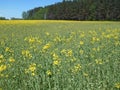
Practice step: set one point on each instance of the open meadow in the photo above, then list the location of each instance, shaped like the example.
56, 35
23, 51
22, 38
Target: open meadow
59, 55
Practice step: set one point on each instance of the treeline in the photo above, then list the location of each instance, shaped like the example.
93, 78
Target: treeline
12, 18
77, 10
3, 18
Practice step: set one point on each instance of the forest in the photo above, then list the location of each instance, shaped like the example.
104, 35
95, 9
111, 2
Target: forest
76, 10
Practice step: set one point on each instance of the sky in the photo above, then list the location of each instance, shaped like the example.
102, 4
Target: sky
14, 8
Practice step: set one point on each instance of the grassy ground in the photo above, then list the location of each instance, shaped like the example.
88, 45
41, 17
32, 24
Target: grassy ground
59, 55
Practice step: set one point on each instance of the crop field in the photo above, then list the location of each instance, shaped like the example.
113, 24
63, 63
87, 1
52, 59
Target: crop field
59, 55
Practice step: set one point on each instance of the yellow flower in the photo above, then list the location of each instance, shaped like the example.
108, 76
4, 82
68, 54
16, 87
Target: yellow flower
1, 56
47, 46
56, 62
1, 75
26, 71
7, 49
55, 56
117, 85
82, 35
31, 40
63, 51
69, 53
6, 76
2, 68
33, 74
97, 39
94, 49
85, 74
108, 36
57, 39
26, 53
32, 67
47, 33
81, 42
93, 38
73, 59
76, 68
48, 72
98, 61
11, 59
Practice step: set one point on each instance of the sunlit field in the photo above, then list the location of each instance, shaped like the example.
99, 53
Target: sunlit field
59, 55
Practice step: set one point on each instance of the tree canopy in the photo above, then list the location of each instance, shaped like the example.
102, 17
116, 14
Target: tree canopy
2, 18
77, 10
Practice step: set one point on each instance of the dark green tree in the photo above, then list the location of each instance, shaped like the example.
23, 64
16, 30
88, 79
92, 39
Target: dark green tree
2, 18
77, 10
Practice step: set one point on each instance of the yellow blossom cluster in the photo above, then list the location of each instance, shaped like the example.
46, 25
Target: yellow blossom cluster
11, 59
47, 46
98, 61
67, 52
81, 42
117, 85
76, 68
7, 49
48, 72
56, 59
31, 69
3, 67
32, 40
26, 53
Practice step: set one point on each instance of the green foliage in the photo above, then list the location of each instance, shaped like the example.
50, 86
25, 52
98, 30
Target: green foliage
77, 10
59, 55
35, 14
24, 15
2, 18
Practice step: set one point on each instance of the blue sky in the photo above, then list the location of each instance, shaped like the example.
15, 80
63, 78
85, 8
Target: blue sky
14, 8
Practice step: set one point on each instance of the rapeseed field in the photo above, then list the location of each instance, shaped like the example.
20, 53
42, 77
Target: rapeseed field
59, 55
